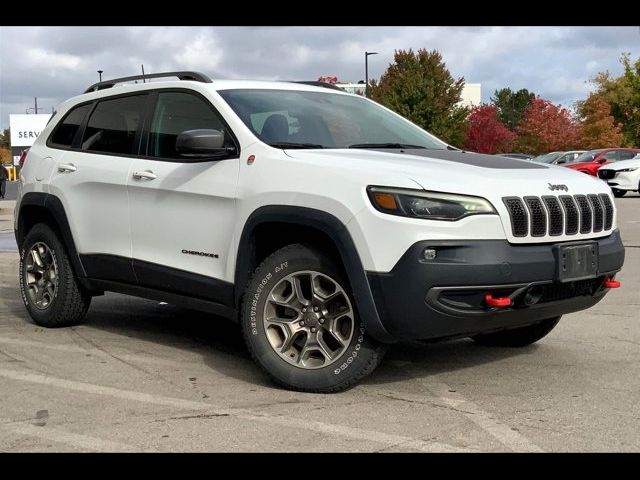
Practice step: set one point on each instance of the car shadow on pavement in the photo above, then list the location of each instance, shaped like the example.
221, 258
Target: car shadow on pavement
222, 347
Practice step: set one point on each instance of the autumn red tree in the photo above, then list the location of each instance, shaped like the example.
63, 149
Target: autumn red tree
486, 133
546, 127
599, 128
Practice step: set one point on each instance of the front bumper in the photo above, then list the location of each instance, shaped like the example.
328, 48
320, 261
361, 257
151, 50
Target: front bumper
443, 297
623, 181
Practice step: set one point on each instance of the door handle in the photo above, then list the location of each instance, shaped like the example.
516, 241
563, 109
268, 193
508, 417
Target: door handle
66, 167
145, 175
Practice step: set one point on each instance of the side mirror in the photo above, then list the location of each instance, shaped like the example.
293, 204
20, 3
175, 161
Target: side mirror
202, 143
602, 160
561, 161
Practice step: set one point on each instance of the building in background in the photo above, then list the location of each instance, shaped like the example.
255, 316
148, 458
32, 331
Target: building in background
471, 94
25, 129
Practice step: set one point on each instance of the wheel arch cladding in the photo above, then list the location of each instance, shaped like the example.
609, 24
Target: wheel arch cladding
36, 207
331, 229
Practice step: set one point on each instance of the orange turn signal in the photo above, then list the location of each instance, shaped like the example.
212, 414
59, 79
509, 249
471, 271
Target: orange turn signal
385, 200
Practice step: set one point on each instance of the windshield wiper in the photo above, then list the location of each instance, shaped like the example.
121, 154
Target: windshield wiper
295, 145
384, 145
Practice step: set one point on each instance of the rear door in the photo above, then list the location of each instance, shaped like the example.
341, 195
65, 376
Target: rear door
90, 178
183, 212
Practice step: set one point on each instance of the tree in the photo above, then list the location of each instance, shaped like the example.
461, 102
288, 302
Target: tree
546, 127
599, 128
419, 87
485, 132
5, 138
512, 105
623, 95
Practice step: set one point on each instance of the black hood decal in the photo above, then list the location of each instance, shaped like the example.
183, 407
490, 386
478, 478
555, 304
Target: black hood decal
469, 158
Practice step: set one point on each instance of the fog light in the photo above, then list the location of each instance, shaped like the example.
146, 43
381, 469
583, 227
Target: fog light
429, 253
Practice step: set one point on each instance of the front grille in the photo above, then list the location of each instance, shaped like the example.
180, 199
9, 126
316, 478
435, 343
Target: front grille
554, 216
538, 216
562, 291
598, 213
571, 214
585, 213
606, 174
519, 217
608, 210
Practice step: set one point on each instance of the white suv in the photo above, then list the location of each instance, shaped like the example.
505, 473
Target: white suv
324, 223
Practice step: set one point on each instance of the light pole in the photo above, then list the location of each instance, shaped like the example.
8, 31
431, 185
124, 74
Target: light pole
366, 72
100, 74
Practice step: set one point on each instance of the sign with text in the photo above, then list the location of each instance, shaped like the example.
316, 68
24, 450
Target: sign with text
26, 128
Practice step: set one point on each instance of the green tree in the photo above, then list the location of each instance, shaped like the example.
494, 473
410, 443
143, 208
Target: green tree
5, 139
623, 95
419, 87
512, 105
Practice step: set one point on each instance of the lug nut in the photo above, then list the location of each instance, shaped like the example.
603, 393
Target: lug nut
302, 324
315, 309
304, 309
313, 330
321, 320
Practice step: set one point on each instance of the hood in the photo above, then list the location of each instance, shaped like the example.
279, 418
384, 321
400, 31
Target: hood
488, 176
622, 164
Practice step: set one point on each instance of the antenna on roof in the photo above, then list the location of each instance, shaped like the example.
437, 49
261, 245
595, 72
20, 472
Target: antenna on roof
143, 81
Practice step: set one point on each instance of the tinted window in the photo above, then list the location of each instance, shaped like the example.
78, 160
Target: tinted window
113, 124
588, 156
65, 132
175, 113
627, 155
611, 156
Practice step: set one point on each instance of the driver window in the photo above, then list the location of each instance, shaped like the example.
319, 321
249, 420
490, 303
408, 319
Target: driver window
176, 112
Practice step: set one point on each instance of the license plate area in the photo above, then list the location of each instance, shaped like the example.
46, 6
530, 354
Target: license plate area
577, 262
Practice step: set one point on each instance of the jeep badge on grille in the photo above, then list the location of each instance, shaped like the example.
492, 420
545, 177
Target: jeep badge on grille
560, 186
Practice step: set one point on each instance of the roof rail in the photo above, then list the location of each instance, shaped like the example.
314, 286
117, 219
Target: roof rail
195, 76
320, 84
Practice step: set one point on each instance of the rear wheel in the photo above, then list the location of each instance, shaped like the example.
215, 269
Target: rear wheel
301, 326
518, 337
49, 287
618, 193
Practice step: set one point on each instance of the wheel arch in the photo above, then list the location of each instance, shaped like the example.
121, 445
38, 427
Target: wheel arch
330, 229
36, 207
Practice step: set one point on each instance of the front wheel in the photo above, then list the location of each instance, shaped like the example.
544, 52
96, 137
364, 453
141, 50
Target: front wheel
518, 337
301, 325
618, 193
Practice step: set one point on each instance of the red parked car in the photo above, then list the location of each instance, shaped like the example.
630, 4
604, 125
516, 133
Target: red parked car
590, 162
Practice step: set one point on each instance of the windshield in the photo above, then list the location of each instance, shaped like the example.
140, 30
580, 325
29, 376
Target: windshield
299, 119
588, 156
547, 158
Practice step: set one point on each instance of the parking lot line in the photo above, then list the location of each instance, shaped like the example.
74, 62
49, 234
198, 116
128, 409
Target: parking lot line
84, 442
390, 440
451, 398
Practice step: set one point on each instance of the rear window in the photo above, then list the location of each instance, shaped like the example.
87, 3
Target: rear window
66, 130
113, 125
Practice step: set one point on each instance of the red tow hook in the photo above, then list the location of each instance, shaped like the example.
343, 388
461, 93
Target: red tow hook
610, 283
497, 302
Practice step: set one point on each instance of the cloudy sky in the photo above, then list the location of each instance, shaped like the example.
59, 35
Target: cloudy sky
55, 63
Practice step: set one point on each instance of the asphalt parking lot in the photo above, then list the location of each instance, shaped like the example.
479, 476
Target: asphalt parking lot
143, 376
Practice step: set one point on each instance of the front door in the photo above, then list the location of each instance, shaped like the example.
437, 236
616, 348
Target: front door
183, 212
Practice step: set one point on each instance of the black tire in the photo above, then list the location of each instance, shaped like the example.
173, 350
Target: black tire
518, 337
618, 193
359, 358
71, 302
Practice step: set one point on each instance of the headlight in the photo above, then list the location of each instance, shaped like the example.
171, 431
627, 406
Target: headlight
427, 205
627, 169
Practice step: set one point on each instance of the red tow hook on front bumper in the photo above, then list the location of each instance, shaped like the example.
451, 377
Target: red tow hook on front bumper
497, 302
610, 283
